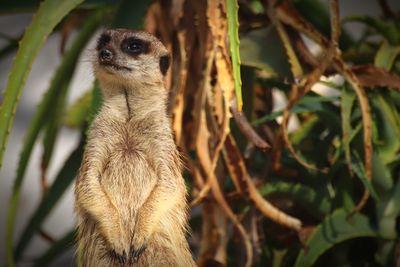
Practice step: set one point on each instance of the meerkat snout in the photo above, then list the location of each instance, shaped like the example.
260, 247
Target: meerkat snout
105, 55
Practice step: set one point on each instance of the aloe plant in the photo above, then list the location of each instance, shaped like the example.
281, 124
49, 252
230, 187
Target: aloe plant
331, 182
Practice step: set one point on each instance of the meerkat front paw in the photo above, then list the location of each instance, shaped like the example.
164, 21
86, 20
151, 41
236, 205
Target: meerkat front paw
138, 245
136, 252
120, 258
117, 242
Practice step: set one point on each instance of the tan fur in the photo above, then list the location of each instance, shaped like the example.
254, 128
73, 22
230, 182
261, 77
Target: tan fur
130, 192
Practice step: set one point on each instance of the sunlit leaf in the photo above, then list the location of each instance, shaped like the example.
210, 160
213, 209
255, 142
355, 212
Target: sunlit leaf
234, 44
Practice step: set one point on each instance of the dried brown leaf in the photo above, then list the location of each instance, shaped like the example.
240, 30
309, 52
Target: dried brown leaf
70, 23
372, 76
303, 51
305, 233
290, 16
46, 236
295, 65
247, 129
203, 155
387, 12
218, 195
214, 235
178, 97
237, 168
335, 22
207, 163
176, 12
367, 123
297, 92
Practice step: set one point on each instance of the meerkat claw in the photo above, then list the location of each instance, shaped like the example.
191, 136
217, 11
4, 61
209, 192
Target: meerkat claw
120, 258
136, 253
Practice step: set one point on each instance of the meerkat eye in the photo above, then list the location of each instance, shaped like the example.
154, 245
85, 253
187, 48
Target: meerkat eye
134, 46
103, 41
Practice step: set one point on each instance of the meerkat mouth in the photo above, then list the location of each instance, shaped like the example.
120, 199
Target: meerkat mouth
115, 66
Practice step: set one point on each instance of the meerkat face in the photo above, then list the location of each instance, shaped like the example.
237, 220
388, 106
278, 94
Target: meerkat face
127, 56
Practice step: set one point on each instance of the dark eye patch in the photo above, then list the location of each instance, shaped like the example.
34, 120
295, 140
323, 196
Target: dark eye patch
164, 64
134, 46
103, 41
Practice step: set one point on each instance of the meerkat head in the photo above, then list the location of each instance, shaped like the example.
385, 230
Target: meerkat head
130, 58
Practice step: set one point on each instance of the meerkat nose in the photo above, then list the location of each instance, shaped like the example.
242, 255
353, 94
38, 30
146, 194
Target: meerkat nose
105, 55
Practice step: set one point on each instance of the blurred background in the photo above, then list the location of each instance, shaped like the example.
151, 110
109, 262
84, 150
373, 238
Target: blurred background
62, 217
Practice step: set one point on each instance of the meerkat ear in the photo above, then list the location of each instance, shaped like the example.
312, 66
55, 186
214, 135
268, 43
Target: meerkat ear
164, 64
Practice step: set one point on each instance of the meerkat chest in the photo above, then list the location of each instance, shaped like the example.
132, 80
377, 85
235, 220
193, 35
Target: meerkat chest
130, 159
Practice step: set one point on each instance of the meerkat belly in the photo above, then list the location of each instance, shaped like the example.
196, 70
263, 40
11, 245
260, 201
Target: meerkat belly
129, 176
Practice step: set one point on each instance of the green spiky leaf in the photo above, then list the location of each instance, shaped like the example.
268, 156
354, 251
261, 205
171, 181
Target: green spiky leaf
49, 14
335, 229
234, 44
46, 106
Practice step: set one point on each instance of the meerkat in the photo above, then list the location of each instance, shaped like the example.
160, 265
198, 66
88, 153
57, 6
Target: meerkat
130, 193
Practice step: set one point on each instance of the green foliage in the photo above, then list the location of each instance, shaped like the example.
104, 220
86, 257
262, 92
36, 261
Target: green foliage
328, 136
233, 28
316, 202
272, 61
386, 55
336, 228
47, 17
47, 110
359, 170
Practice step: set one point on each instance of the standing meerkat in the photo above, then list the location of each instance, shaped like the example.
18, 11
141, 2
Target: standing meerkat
130, 194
